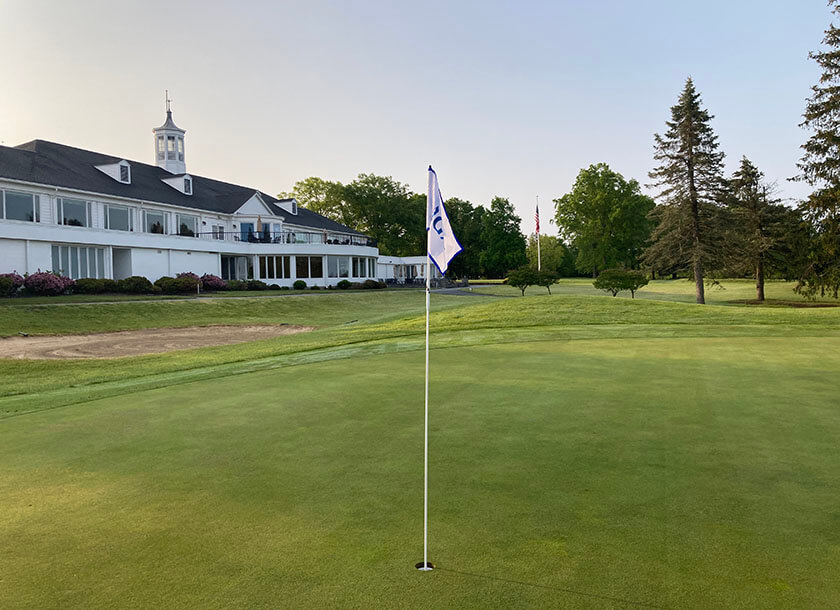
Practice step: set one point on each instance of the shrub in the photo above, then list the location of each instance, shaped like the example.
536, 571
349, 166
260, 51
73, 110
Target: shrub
184, 283
343, 285
314, 288
90, 285
10, 284
299, 285
522, 278
257, 285
546, 279
136, 284
371, 285
356, 286
284, 288
44, 283
212, 282
616, 280
274, 287
382, 284
237, 285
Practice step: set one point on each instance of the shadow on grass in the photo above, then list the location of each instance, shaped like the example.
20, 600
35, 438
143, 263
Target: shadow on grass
629, 602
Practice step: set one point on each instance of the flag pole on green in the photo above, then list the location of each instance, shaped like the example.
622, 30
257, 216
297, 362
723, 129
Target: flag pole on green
441, 247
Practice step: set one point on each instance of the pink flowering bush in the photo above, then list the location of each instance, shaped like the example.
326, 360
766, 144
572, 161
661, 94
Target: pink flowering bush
212, 282
44, 283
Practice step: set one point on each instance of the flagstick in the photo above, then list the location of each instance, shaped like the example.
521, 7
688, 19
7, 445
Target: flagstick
426, 567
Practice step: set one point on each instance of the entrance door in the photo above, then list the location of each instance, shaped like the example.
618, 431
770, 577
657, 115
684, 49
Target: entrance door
246, 231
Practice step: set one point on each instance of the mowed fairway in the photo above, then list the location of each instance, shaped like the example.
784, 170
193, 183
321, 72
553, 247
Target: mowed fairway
616, 462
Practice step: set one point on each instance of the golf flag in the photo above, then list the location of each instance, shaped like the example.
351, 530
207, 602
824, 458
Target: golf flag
442, 245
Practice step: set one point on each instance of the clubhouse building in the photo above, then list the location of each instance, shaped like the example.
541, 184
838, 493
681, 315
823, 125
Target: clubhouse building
86, 214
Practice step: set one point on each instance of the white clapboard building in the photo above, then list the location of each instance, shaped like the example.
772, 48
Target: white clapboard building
87, 214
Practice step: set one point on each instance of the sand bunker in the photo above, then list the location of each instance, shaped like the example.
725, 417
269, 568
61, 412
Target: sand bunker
138, 342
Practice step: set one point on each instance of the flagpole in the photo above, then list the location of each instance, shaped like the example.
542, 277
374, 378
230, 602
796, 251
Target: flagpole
425, 566
539, 258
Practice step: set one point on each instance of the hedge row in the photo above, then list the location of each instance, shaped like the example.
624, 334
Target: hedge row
44, 283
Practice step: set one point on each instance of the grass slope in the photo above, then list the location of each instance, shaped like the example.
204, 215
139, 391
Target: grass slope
564, 473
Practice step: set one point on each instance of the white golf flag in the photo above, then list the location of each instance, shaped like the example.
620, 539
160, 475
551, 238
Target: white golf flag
441, 242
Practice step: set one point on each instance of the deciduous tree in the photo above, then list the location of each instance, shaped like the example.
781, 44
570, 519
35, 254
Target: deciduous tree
605, 218
504, 244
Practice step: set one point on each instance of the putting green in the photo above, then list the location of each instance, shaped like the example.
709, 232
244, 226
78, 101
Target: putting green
673, 472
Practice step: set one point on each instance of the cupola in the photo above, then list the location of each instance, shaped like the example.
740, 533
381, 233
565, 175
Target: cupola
169, 144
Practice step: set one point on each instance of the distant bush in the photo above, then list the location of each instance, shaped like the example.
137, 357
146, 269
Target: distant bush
616, 280
356, 286
91, 285
257, 285
372, 285
184, 283
344, 284
212, 282
284, 288
10, 284
237, 285
522, 278
274, 287
136, 284
45, 283
546, 279
299, 285
314, 288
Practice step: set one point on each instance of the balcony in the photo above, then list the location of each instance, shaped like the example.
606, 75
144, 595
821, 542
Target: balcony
289, 237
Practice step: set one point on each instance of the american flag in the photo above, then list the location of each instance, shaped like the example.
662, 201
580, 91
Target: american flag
537, 218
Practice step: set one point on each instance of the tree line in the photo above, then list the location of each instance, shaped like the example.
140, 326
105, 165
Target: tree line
701, 224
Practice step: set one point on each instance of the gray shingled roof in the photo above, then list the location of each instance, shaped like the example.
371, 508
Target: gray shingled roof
52, 164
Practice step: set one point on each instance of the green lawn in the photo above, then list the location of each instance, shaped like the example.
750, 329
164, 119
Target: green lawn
725, 292
586, 452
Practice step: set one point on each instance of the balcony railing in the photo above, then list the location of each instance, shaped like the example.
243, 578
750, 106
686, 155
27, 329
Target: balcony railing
290, 237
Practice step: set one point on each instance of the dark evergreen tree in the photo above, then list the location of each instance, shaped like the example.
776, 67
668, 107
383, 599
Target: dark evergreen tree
690, 179
820, 167
761, 226
467, 224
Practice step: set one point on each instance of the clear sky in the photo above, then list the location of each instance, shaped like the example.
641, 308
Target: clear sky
503, 98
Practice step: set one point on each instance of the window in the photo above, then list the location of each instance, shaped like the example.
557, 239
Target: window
316, 266
77, 262
19, 206
125, 173
302, 266
187, 225
188, 186
332, 266
170, 147
118, 218
155, 222
343, 266
160, 148
73, 212
218, 231
294, 207
371, 267
181, 150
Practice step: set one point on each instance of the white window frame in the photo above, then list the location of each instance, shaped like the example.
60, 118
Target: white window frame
59, 209
188, 186
130, 211
146, 222
36, 206
178, 218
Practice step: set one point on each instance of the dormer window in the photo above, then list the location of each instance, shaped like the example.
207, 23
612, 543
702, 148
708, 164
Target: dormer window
125, 173
294, 207
188, 186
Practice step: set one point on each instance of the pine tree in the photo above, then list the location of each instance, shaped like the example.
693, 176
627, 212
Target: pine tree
820, 167
690, 179
761, 225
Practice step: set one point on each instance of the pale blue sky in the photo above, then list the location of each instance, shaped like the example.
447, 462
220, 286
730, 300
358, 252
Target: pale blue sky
507, 98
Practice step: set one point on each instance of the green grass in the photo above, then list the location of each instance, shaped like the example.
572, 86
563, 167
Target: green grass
726, 292
586, 452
